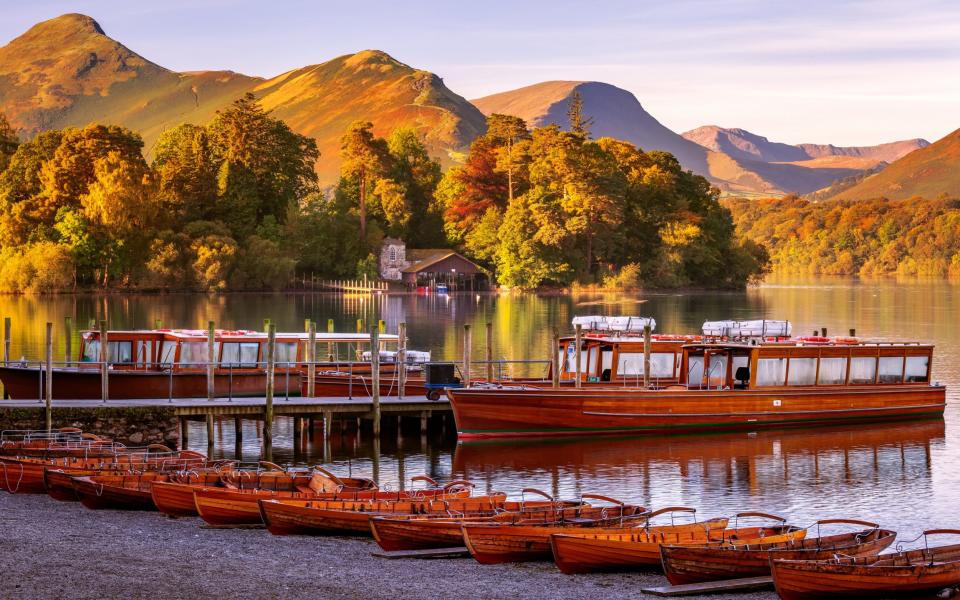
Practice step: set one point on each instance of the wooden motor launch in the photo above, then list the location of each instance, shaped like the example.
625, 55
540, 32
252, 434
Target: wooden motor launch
906, 573
736, 560
588, 551
723, 384
221, 507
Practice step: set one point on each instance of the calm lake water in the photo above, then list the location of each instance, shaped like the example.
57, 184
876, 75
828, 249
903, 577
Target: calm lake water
903, 476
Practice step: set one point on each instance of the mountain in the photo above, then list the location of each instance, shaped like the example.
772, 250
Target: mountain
742, 144
735, 160
67, 72
616, 113
928, 172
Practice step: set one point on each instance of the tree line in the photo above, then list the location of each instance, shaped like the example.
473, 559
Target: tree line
915, 237
235, 204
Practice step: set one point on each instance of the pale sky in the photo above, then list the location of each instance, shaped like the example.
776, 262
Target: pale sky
847, 73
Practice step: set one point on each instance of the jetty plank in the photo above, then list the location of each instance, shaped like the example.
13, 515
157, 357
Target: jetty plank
712, 587
457, 552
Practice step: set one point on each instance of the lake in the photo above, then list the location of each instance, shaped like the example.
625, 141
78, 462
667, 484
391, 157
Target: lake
902, 476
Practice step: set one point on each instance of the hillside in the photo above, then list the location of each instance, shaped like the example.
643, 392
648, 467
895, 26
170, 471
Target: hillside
928, 172
67, 72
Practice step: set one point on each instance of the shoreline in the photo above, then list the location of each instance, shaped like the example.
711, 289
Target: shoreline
53, 549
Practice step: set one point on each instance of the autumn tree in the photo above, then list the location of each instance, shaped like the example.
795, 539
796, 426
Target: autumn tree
8, 142
365, 160
186, 173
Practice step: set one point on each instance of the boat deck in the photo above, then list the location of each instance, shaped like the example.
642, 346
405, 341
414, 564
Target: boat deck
294, 405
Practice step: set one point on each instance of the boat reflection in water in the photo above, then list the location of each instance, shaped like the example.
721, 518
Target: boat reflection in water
859, 471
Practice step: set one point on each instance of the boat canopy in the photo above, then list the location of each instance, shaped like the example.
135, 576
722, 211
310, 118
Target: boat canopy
624, 324
746, 329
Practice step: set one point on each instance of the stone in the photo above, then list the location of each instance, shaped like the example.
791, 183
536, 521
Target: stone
136, 438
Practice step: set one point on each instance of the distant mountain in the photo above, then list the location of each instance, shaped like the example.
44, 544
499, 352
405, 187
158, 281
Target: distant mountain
742, 144
68, 72
616, 113
928, 172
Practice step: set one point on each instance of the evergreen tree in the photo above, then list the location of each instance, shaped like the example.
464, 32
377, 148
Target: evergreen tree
579, 124
365, 160
8, 142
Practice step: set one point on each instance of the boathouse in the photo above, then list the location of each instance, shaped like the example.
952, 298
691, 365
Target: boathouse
430, 267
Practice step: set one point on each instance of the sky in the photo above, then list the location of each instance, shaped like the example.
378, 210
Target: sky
820, 71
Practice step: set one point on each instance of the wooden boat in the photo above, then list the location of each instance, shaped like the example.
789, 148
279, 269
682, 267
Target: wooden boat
735, 560
67, 441
724, 386
420, 532
493, 543
120, 492
588, 551
909, 573
221, 507
161, 363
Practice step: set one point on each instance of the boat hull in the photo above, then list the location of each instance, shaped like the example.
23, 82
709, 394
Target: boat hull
481, 413
22, 477
286, 519
97, 496
817, 581
412, 534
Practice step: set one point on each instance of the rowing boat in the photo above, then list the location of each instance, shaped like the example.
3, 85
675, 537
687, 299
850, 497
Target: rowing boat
588, 551
905, 573
118, 492
719, 561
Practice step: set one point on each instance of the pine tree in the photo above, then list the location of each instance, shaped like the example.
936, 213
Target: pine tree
579, 124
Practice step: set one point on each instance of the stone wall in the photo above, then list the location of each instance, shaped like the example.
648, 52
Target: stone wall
137, 426
393, 259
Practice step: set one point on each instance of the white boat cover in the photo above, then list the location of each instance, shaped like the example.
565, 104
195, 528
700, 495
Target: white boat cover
602, 323
389, 356
755, 328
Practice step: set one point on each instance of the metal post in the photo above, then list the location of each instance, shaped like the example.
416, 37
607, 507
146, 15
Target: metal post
401, 362
68, 340
467, 343
311, 360
577, 362
104, 356
555, 360
646, 356
489, 352
375, 378
48, 383
268, 409
211, 361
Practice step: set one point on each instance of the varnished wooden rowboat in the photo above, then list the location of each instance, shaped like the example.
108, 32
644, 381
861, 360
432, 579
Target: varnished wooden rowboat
720, 561
175, 498
420, 532
912, 573
493, 543
589, 551
119, 492
221, 507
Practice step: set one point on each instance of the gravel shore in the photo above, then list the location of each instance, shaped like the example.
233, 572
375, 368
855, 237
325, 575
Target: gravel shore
52, 549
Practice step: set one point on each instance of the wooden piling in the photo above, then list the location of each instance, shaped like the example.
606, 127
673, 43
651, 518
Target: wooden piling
424, 420
209, 434
48, 379
823, 331
104, 357
375, 378
306, 325
382, 325
158, 323
327, 423
6, 340
68, 341
184, 433
401, 362
489, 355
268, 409
211, 360
577, 356
331, 355
853, 333
359, 325
467, 344
311, 359
297, 431
646, 356
555, 360
238, 430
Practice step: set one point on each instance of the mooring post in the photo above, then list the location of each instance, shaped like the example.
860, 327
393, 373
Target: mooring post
555, 360
297, 430
238, 429
375, 378
401, 362
211, 362
68, 341
184, 433
209, 434
306, 325
331, 355
853, 333
578, 340
823, 331
359, 325
158, 323
266, 325
268, 409
489, 352
48, 378
311, 359
646, 356
467, 344
327, 423
104, 357
424, 415
6, 340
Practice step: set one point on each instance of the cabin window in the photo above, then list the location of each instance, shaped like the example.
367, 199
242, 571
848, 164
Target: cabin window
606, 362
917, 369
717, 374
771, 371
120, 353
833, 371
738, 363
286, 352
240, 354
661, 364
863, 370
193, 354
571, 361
167, 353
694, 370
803, 371
144, 353
891, 369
